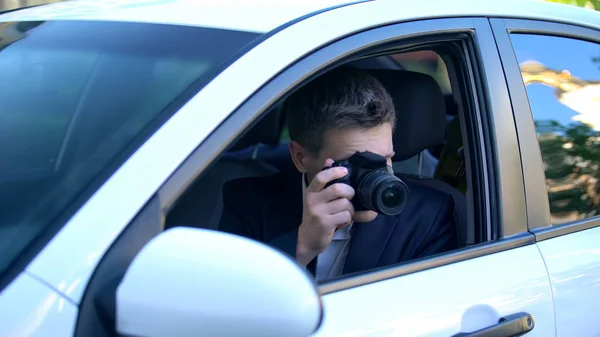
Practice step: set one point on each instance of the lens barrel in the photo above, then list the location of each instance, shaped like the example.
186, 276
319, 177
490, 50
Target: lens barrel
383, 192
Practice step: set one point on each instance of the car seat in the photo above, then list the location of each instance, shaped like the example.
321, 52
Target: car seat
451, 163
202, 203
421, 124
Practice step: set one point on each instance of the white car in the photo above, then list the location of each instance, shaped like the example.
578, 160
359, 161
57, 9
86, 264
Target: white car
121, 120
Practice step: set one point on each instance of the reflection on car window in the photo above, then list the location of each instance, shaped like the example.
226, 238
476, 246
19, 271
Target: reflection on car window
76, 98
562, 77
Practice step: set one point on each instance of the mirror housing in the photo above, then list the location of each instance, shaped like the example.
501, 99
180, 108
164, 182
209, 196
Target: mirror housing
196, 282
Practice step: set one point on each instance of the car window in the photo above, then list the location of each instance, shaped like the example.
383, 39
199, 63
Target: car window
252, 189
77, 97
562, 79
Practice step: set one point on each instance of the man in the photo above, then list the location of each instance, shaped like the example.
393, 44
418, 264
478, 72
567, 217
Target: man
329, 119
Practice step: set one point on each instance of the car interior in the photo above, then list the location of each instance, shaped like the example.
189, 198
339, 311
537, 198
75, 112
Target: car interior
427, 142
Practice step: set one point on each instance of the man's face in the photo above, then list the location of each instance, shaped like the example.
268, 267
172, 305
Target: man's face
340, 144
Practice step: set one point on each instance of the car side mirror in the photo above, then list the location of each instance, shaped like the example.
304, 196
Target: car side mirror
195, 282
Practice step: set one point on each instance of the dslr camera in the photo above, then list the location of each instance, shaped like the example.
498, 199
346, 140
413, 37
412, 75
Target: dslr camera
376, 187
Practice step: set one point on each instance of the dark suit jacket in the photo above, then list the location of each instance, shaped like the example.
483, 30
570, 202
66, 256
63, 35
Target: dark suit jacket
269, 209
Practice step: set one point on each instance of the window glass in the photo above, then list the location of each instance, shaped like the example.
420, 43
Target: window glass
562, 78
76, 97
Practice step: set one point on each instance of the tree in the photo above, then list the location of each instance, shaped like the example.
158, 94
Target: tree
571, 157
591, 4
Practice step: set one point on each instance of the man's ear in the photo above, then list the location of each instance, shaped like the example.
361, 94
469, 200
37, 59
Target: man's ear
300, 156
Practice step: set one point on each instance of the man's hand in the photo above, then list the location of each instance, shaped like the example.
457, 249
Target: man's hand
324, 211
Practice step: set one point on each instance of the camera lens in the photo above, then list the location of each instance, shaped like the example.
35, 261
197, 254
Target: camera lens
391, 196
383, 193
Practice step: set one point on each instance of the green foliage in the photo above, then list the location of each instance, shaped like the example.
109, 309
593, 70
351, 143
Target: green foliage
592, 4
571, 157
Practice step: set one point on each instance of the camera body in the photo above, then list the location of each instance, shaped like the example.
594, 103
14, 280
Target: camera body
376, 187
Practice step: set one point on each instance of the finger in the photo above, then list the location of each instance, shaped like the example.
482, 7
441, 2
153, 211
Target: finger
344, 225
351, 209
324, 177
336, 191
341, 219
338, 205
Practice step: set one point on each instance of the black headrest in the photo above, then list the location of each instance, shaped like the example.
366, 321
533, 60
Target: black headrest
420, 111
266, 131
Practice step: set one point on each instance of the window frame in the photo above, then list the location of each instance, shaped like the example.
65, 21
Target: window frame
538, 205
509, 199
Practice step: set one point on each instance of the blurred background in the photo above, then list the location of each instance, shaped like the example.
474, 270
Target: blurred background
6, 5
14, 4
591, 4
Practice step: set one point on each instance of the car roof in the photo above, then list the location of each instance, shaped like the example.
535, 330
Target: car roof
266, 15
256, 15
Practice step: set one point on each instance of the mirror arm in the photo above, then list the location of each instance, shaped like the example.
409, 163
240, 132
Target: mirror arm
106, 305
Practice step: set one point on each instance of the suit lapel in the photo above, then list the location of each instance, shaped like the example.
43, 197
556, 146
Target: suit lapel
368, 242
287, 217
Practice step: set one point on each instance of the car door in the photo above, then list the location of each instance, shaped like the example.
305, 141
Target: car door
553, 71
501, 285
496, 288
475, 289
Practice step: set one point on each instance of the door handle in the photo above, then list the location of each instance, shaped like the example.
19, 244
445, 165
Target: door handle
509, 326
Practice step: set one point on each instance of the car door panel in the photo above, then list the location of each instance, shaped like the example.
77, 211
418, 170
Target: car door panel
554, 81
444, 301
573, 262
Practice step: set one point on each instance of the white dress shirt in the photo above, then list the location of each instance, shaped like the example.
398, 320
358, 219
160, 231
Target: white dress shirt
330, 262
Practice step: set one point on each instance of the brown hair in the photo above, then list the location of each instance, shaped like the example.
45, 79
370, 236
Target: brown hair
344, 97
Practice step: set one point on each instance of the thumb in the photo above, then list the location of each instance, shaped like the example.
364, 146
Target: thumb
328, 162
